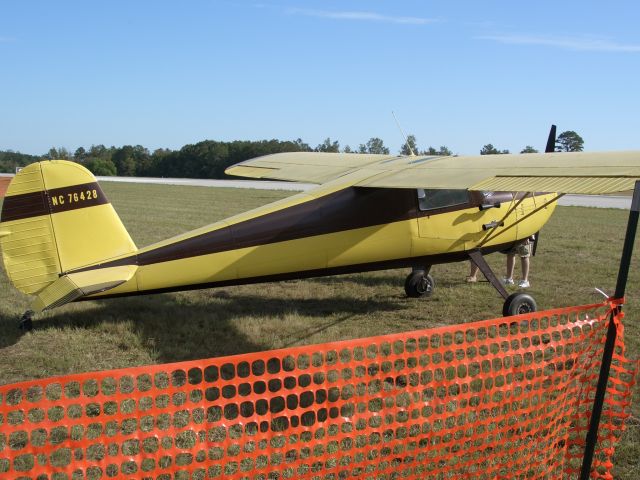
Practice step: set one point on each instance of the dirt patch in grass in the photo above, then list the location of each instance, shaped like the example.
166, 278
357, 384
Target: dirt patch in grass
4, 184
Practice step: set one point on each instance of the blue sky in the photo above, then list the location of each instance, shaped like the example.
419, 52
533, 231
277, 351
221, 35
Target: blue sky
456, 73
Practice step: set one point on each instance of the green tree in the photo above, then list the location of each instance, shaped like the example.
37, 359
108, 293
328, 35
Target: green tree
374, 145
80, 154
347, 149
99, 151
410, 146
98, 160
60, 153
529, 149
143, 160
328, 146
301, 146
9, 160
444, 151
101, 166
130, 160
569, 141
489, 149
124, 161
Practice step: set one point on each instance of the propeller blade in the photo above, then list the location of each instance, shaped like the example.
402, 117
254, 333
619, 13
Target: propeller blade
551, 141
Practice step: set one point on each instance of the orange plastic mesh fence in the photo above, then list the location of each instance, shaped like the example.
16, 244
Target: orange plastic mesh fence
504, 398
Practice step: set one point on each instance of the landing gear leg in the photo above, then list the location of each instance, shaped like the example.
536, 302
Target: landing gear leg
513, 304
419, 283
26, 321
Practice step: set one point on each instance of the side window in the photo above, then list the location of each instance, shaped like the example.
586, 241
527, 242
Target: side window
430, 199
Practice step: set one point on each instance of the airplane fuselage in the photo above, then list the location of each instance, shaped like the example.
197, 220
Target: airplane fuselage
332, 230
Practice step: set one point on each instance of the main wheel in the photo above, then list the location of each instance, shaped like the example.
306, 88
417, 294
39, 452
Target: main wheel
518, 303
418, 284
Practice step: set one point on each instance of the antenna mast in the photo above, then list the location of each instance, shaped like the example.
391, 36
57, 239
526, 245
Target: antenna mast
403, 135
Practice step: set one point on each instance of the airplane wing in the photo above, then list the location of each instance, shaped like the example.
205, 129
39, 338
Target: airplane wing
310, 167
569, 172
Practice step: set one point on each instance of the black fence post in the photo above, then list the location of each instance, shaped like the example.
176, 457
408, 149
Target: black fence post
607, 354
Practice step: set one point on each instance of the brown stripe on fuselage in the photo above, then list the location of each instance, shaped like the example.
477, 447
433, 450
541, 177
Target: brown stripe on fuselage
27, 205
346, 209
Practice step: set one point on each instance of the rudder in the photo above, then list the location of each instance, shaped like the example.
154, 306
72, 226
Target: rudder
56, 218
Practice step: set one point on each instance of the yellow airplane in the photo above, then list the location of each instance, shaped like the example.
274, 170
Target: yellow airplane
62, 241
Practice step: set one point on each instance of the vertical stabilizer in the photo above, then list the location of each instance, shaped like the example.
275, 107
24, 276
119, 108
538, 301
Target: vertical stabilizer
56, 218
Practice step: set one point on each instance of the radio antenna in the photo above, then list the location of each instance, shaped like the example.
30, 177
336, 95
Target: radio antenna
406, 142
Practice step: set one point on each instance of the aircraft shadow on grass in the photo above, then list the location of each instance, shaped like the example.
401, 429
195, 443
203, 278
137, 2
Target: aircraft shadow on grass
207, 325
394, 281
390, 280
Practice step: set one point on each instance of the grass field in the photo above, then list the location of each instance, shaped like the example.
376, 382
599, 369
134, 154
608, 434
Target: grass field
579, 250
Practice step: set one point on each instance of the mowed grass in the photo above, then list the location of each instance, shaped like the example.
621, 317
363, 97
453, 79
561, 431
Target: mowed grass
579, 249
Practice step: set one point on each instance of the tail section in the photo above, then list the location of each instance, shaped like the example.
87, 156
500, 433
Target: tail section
55, 218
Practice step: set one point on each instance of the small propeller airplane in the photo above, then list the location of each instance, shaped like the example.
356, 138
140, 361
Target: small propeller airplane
62, 241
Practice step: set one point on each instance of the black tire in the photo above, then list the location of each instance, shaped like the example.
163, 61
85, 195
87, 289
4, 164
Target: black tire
26, 321
519, 303
418, 284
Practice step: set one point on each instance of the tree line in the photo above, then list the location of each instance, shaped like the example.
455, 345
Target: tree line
210, 158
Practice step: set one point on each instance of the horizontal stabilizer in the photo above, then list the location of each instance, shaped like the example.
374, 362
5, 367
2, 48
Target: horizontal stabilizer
72, 286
